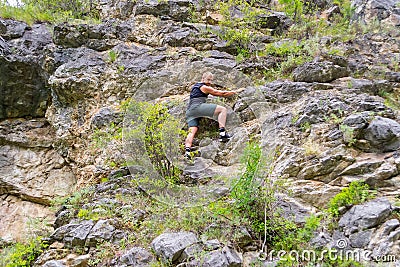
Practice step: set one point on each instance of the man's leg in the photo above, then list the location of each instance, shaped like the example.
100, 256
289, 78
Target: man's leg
190, 136
221, 113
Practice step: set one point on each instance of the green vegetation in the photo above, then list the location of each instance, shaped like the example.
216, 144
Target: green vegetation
22, 254
248, 193
305, 126
348, 134
293, 8
392, 100
357, 192
102, 137
112, 56
74, 201
161, 135
50, 10
238, 30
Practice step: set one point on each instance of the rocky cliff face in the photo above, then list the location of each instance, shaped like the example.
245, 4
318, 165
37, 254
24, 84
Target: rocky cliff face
61, 83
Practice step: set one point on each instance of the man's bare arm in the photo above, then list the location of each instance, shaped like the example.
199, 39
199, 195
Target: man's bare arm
215, 92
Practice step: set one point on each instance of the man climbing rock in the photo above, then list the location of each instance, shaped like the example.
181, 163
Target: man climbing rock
198, 108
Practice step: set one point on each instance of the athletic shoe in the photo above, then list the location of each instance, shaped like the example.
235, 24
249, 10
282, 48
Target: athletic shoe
224, 137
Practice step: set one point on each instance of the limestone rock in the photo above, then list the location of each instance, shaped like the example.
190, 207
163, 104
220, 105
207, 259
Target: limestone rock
274, 20
12, 29
135, 257
176, 9
383, 134
319, 72
225, 257
361, 239
17, 215
22, 74
74, 233
365, 216
370, 87
103, 230
385, 11
54, 263
293, 211
393, 76
169, 246
39, 175
284, 92
104, 118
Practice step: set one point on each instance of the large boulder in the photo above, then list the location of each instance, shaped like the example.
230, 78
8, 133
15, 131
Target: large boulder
365, 216
87, 233
324, 71
169, 246
23, 74
377, 134
74, 233
383, 134
135, 257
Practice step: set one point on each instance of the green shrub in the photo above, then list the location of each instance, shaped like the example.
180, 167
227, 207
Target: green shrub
50, 10
23, 254
293, 8
357, 192
239, 31
255, 195
298, 237
161, 135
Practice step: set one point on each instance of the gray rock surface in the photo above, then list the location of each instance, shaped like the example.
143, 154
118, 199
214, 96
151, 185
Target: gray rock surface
365, 216
23, 75
386, 11
104, 230
135, 257
361, 239
322, 72
225, 257
383, 134
176, 9
73, 234
284, 92
169, 246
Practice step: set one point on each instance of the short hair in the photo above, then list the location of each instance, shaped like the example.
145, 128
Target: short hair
206, 75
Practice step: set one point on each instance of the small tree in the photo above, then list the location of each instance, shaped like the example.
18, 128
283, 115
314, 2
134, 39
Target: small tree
154, 133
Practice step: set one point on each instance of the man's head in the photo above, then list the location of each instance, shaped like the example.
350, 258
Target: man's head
207, 78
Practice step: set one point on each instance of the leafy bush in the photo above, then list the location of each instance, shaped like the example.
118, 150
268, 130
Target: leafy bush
32, 11
239, 30
255, 196
293, 8
161, 135
356, 193
23, 254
